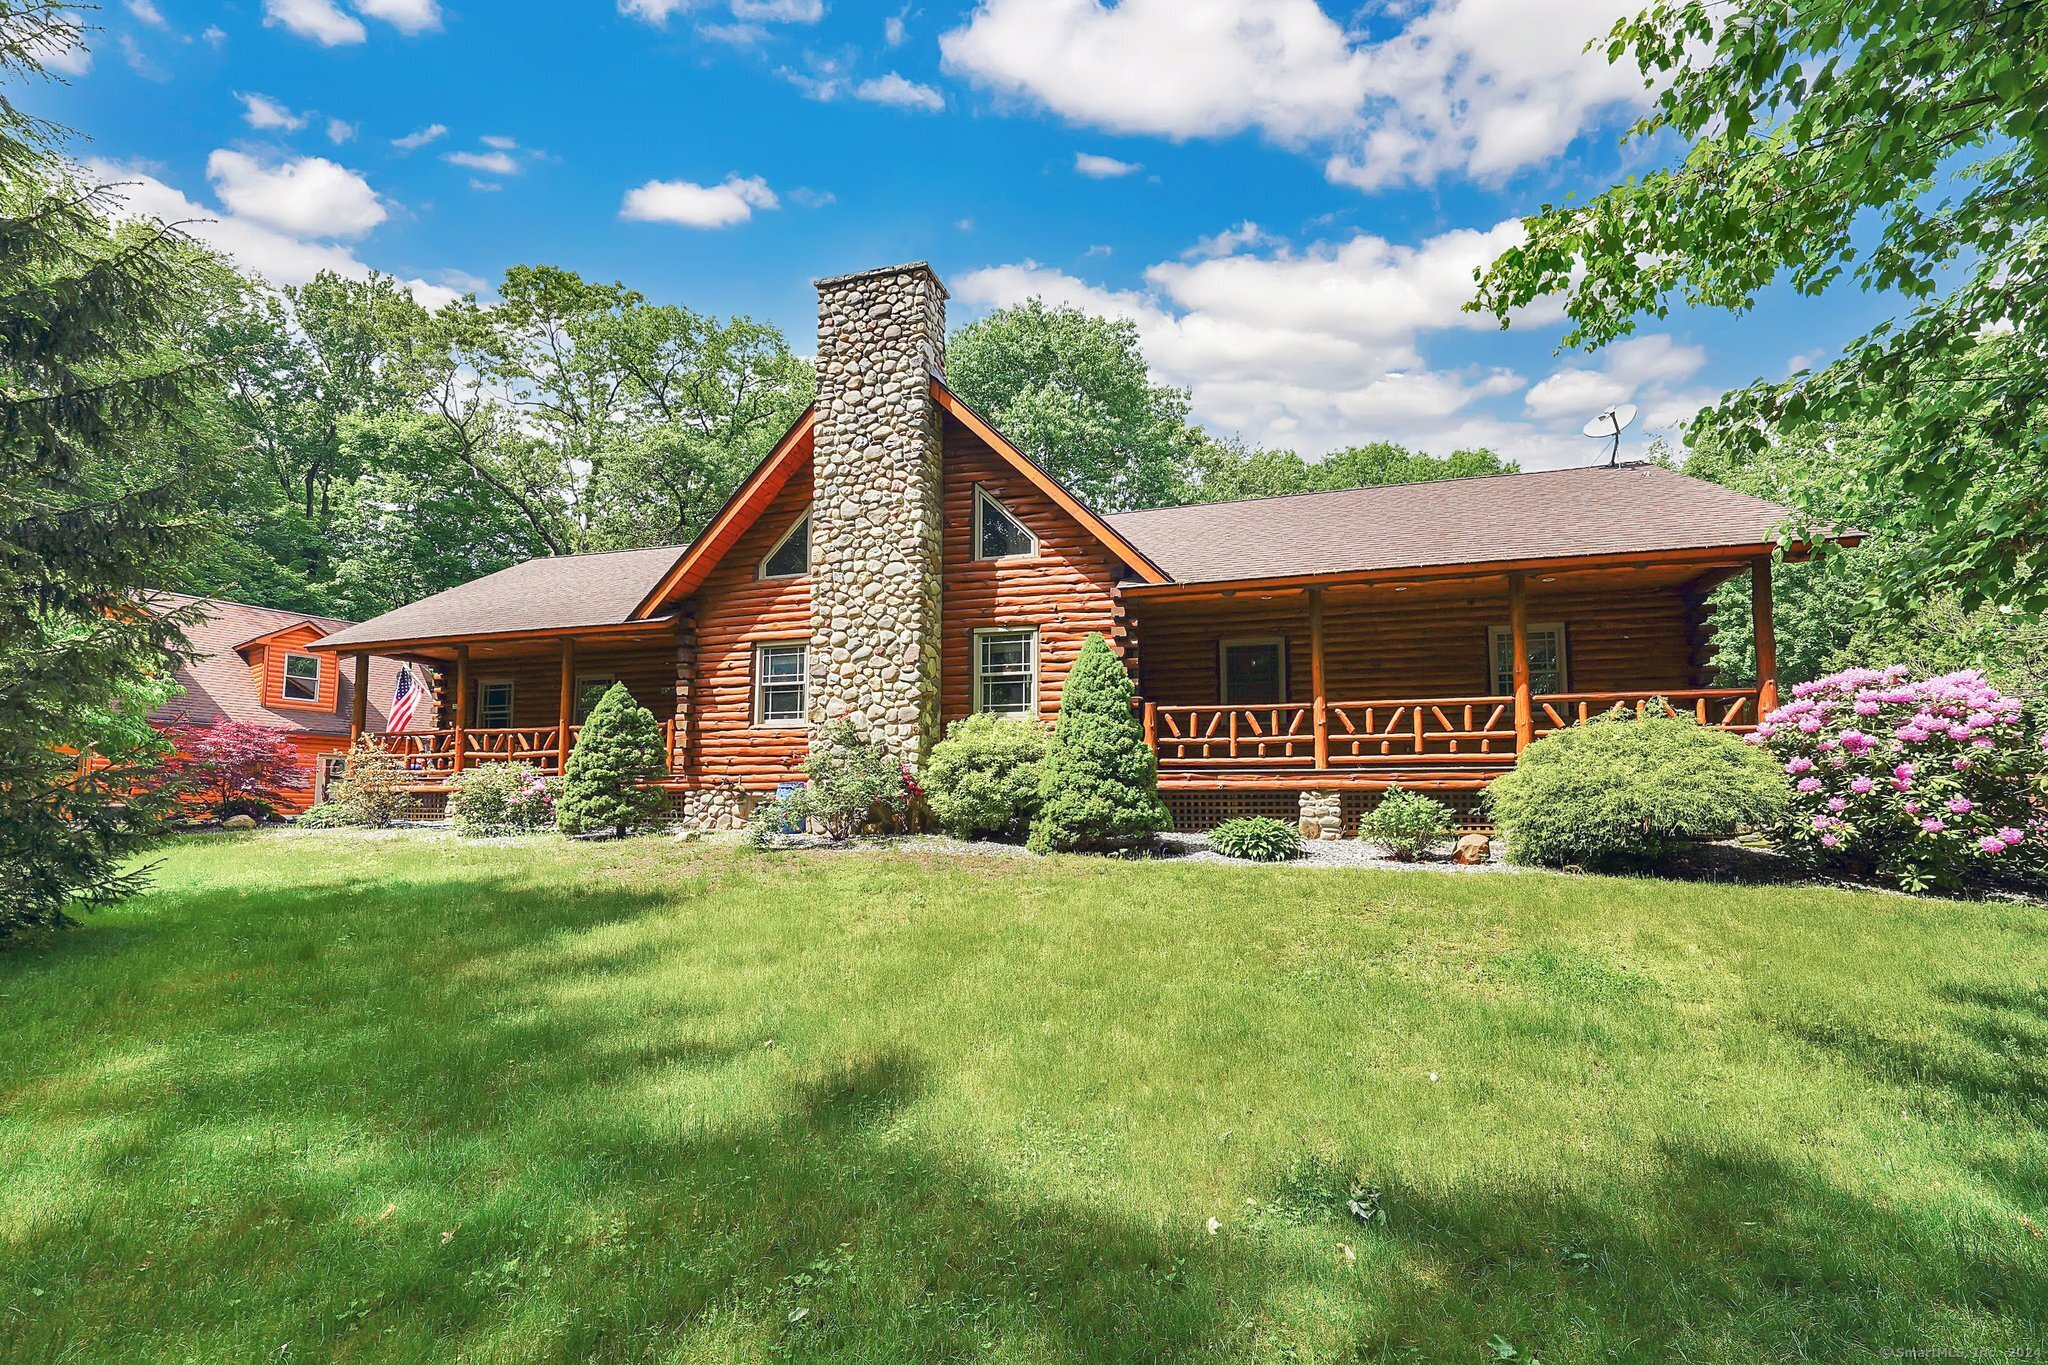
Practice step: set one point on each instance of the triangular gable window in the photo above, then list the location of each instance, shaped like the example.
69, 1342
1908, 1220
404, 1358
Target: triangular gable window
791, 557
997, 532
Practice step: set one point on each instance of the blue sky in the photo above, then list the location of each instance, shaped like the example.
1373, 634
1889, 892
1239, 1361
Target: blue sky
1288, 199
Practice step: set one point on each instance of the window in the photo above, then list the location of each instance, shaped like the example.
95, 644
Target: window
1006, 671
997, 533
494, 704
1254, 672
791, 557
1546, 659
301, 677
780, 684
590, 690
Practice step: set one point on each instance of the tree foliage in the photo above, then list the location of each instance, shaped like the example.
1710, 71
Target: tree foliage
1897, 145
232, 765
608, 782
91, 366
1099, 785
1225, 471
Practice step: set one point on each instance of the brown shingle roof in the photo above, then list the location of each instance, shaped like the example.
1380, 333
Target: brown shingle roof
1593, 510
556, 593
220, 685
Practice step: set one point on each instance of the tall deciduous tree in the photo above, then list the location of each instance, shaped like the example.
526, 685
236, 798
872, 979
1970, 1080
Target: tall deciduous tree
1896, 145
90, 366
1074, 393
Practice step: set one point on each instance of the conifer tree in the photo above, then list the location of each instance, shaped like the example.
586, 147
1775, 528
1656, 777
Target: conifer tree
1100, 782
90, 370
607, 783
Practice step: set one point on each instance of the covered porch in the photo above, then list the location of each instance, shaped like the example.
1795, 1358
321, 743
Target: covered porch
523, 699
1433, 681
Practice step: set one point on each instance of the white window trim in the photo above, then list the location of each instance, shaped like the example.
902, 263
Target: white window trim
803, 520
583, 679
1496, 634
483, 685
982, 498
759, 687
284, 682
974, 652
1223, 648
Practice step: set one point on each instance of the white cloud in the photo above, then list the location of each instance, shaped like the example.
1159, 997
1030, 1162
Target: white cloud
1313, 349
699, 206
1476, 87
261, 111
407, 16
1103, 167
490, 163
280, 257
63, 49
734, 35
892, 30
139, 61
1246, 235
503, 144
901, 92
750, 14
321, 20
1648, 370
653, 11
306, 197
779, 11
147, 13
213, 35
415, 140
340, 131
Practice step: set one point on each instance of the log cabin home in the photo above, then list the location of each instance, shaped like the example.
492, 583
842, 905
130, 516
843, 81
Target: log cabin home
255, 665
895, 561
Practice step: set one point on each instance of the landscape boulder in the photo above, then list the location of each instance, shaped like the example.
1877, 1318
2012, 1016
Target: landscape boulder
1472, 849
239, 822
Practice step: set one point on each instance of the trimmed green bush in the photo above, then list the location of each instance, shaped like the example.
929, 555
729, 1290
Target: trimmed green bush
1260, 838
372, 791
850, 783
1622, 794
608, 780
1407, 825
982, 778
501, 798
1100, 783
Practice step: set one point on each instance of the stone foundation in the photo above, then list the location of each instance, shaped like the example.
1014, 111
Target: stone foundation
1322, 815
725, 806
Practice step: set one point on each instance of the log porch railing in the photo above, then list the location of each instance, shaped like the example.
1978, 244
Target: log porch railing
438, 754
1453, 731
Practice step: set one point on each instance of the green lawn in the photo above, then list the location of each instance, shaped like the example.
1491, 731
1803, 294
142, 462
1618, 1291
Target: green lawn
383, 1098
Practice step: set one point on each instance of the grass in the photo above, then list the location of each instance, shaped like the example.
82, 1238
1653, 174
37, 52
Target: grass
351, 1098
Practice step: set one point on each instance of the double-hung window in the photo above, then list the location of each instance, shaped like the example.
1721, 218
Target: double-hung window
1546, 659
494, 704
301, 677
1006, 671
781, 692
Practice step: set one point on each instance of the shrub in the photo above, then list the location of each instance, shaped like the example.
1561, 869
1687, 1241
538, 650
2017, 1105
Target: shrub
1929, 783
235, 767
1099, 785
1407, 825
849, 784
325, 815
372, 790
501, 798
1619, 793
982, 778
1257, 837
608, 782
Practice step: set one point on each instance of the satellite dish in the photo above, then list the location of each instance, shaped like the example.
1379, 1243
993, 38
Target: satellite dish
1608, 426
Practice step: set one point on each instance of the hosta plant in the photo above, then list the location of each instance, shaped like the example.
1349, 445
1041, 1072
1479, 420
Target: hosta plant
1929, 782
1259, 838
1406, 825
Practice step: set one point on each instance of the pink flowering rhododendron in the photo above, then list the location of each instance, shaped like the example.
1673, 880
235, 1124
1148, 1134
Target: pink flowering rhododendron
1931, 781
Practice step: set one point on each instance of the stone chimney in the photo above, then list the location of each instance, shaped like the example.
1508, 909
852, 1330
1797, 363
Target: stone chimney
875, 513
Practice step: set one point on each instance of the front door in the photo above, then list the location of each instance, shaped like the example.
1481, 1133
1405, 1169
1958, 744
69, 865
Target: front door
1254, 672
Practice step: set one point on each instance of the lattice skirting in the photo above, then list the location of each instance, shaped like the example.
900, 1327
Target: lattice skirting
1468, 809
1200, 812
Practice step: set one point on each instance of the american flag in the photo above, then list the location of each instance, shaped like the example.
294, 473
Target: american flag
405, 698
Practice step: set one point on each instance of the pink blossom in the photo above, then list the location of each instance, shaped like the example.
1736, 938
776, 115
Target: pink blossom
1836, 803
1962, 805
1991, 843
1799, 764
1824, 822
1809, 784
2009, 835
1861, 786
1831, 840
1933, 824
1865, 706
1912, 808
1904, 772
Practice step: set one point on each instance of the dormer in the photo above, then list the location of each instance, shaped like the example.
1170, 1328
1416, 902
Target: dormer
289, 676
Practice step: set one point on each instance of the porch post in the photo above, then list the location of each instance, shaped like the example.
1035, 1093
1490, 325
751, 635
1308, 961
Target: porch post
1316, 680
1760, 615
565, 709
1518, 631
461, 705
359, 704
